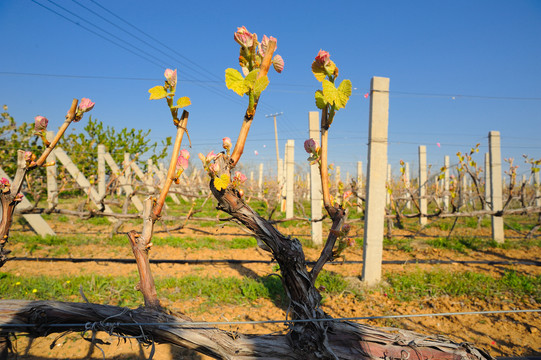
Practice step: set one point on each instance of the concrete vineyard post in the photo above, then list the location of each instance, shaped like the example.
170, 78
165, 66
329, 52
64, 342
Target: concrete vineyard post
101, 171
375, 183
52, 185
290, 177
359, 186
496, 184
446, 183
422, 185
316, 196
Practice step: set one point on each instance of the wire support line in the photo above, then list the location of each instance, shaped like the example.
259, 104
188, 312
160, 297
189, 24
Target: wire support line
254, 261
285, 321
98, 34
149, 57
156, 40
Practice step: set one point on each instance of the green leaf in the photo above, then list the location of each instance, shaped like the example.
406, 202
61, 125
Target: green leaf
345, 91
234, 81
331, 94
221, 182
256, 85
182, 102
250, 79
260, 85
320, 100
157, 92
318, 70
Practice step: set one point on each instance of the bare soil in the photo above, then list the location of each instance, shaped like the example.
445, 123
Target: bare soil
501, 334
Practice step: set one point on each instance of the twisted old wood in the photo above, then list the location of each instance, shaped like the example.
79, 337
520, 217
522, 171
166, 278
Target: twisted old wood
347, 340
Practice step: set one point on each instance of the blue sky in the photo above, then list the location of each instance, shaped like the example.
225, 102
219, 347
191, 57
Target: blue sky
457, 70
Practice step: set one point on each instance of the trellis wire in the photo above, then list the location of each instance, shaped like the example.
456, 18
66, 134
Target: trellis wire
253, 261
257, 322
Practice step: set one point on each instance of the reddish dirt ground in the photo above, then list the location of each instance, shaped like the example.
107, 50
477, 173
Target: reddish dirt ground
500, 334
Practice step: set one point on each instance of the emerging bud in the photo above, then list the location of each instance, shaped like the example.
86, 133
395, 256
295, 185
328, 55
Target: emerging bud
171, 78
323, 57
264, 45
29, 157
4, 185
310, 146
226, 143
182, 161
210, 156
40, 124
244, 38
214, 168
278, 63
85, 105
239, 177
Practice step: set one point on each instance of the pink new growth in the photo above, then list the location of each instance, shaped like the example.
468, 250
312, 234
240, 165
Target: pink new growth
171, 77
263, 46
182, 161
210, 156
243, 37
323, 57
40, 123
4, 182
86, 105
310, 146
278, 63
240, 177
226, 143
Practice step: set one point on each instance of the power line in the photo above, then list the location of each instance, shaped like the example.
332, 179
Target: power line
161, 65
103, 77
97, 34
156, 40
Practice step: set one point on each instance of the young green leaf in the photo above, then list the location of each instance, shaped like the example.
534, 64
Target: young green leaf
260, 85
318, 70
331, 94
221, 182
320, 100
345, 91
234, 81
182, 102
157, 92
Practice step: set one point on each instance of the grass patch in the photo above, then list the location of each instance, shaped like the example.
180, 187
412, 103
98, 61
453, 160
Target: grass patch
333, 283
243, 243
462, 244
120, 290
419, 284
35, 242
400, 244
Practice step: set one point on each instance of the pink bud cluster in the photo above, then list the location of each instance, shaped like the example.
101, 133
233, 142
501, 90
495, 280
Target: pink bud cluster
323, 58
211, 168
4, 185
40, 124
182, 160
247, 41
244, 38
310, 146
170, 79
227, 144
85, 105
239, 177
